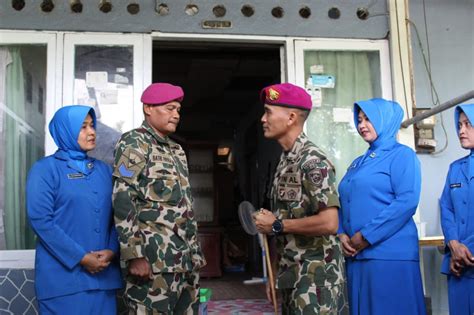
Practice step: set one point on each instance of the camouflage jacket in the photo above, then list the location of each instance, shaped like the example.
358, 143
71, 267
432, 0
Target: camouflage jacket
304, 182
152, 202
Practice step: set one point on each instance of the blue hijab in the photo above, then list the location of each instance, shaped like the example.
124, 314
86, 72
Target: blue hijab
468, 110
65, 128
385, 116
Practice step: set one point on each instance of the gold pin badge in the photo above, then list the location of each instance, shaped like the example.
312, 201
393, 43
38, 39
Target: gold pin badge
272, 94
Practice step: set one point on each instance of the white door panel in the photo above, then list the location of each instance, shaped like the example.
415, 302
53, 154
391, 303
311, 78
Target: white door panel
107, 72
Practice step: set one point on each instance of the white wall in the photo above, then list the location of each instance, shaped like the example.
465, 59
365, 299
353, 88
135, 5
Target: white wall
450, 28
318, 24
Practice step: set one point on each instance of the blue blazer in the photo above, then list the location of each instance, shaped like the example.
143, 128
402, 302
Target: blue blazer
457, 210
71, 214
379, 195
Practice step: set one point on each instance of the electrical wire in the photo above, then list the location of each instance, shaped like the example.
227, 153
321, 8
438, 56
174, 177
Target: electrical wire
371, 15
427, 63
433, 89
401, 61
445, 136
429, 55
433, 92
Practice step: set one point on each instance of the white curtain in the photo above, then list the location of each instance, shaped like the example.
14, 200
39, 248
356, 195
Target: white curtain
330, 126
5, 60
19, 152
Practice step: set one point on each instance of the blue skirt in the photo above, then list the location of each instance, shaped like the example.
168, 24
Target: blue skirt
95, 302
385, 287
461, 295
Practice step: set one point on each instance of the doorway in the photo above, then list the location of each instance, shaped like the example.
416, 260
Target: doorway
220, 129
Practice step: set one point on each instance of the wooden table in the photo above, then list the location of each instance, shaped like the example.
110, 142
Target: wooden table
431, 241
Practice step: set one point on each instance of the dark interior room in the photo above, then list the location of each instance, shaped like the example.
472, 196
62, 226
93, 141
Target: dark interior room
220, 129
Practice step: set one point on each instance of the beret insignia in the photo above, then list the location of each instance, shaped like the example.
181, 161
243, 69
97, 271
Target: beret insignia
273, 94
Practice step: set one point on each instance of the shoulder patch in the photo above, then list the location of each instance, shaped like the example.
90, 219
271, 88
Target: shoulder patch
125, 172
316, 177
316, 170
134, 157
310, 164
130, 163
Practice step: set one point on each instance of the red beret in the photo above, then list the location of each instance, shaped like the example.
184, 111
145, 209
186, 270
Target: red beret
162, 93
287, 95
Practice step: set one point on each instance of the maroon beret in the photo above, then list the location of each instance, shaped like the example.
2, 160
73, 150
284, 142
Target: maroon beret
287, 95
162, 93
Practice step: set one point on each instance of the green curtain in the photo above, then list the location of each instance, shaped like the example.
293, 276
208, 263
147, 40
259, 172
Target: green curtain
353, 71
18, 157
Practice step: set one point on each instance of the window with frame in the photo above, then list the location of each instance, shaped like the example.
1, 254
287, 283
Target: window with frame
338, 73
22, 136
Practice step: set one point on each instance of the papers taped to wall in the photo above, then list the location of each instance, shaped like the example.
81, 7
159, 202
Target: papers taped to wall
316, 69
316, 95
323, 81
96, 79
342, 115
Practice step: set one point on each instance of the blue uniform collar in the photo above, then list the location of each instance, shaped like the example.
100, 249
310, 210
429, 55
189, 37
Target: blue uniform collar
382, 145
374, 153
467, 166
83, 166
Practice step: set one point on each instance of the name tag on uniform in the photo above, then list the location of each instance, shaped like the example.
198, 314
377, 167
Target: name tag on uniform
456, 185
75, 176
159, 158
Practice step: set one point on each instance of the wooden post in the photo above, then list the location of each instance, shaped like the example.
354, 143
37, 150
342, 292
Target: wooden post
270, 274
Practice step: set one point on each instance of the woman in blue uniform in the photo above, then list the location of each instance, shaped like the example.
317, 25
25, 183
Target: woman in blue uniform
379, 195
457, 219
70, 209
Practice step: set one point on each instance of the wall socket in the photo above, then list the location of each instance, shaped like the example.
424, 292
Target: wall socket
424, 133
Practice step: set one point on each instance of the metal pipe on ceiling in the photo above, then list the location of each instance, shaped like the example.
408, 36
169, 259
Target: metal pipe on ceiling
435, 110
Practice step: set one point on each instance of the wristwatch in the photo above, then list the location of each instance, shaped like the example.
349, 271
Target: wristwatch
277, 227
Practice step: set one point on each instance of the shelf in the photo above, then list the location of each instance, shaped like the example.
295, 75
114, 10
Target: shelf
201, 177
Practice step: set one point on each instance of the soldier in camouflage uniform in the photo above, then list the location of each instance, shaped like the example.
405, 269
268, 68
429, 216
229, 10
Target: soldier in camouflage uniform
304, 202
153, 213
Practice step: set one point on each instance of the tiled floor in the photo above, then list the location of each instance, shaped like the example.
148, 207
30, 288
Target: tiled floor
17, 293
240, 307
231, 287
230, 295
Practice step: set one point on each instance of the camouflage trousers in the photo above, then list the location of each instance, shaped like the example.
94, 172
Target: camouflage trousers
166, 293
315, 300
